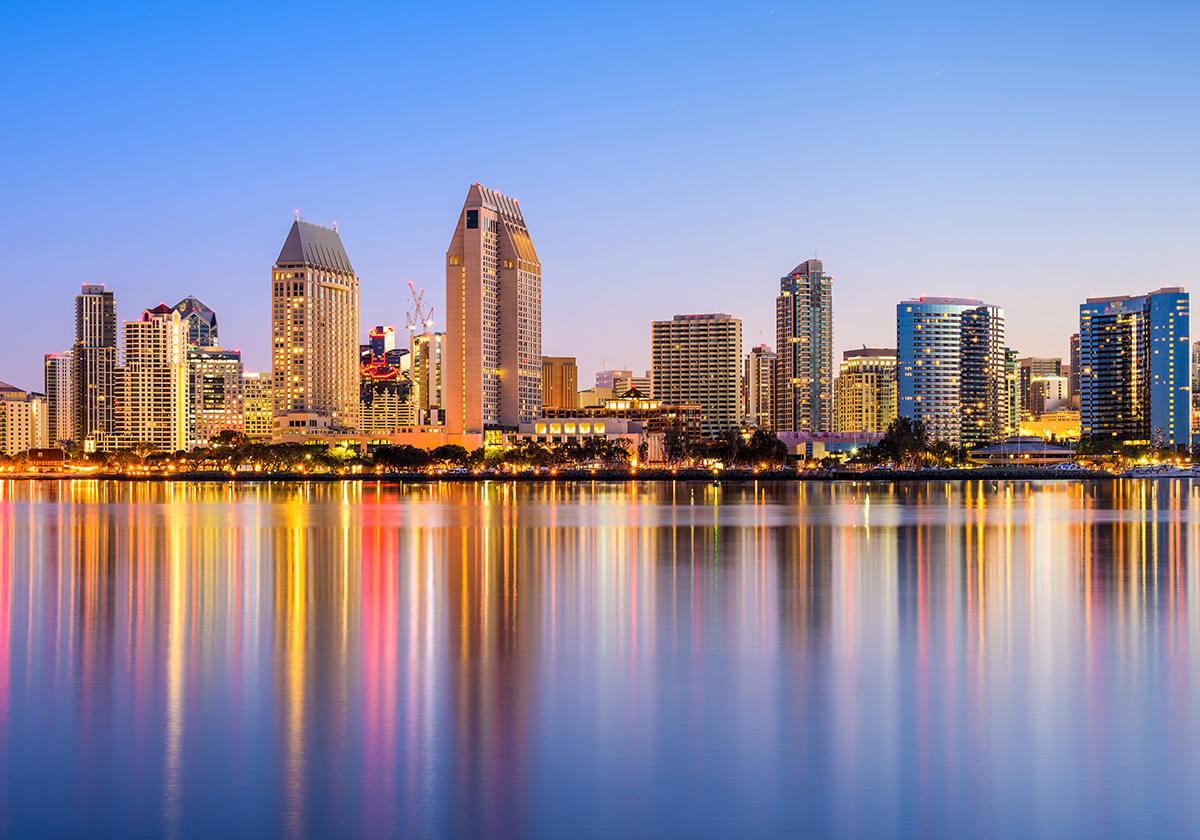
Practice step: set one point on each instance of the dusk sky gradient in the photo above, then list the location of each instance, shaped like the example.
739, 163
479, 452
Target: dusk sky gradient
669, 157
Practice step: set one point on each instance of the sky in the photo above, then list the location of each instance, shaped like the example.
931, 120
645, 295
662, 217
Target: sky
669, 158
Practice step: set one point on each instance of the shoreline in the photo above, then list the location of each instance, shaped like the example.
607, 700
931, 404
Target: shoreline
615, 475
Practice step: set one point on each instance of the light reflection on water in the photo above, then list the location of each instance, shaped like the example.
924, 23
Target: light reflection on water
574, 660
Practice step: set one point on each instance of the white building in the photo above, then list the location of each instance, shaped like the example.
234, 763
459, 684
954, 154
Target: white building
154, 388
24, 421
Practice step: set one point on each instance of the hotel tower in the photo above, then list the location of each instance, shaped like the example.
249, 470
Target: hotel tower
493, 344
314, 333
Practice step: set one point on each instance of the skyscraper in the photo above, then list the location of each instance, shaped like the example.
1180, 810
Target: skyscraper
697, 359
153, 404
314, 331
57, 375
758, 387
1073, 379
1134, 378
428, 378
865, 392
215, 393
804, 350
94, 359
1032, 368
1012, 383
493, 348
258, 405
199, 321
951, 368
560, 382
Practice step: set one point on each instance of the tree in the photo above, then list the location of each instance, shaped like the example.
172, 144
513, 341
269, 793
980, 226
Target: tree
398, 458
731, 447
643, 451
451, 453
230, 439
905, 441
674, 445
766, 447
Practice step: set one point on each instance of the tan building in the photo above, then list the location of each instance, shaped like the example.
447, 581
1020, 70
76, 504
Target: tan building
428, 379
560, 382
1062, 425
215, 392
493, 347
59, 396
314, 332
644, 385
24, 420
153, 403
865, 393
258, 405
758, 387
698, 359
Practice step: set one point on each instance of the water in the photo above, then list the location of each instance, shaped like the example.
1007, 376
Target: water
551, 661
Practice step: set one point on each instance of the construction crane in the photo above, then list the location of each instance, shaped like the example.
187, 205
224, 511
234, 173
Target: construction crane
418, 315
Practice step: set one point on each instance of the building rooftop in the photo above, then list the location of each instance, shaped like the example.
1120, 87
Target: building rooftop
711, 316
190, 305
1165, 290
871, 352
497, 203
945, 301
320, 247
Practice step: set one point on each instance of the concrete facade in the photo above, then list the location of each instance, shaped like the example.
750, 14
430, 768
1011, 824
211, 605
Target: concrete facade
698, 359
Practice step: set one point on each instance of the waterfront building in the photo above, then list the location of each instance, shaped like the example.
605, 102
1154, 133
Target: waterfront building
696, 359
94, 364
1013, 390
1073, 377
1135, 382
154, 386
314, 332
216, 397
493, 347
428, 379
951, 368
24, 420
199, 321
804, 350
758, 387
385, 394
258, 405
656, 416
57, 378
865, 392
1060, 425
560, 381
1031, 368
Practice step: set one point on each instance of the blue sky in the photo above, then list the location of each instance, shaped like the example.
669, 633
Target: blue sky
669, 157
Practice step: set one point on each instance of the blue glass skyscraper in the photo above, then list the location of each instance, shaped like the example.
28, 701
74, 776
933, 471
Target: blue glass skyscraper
1134, 377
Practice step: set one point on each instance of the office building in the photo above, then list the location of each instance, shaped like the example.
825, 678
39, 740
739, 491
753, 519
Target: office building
493, 346
697, 359
216, 401
385, 394
950, 368
258, 405
1032, 368
608, 378
644, 385
1073, 376
1048, 393
1012, 384
154, 388
94, 364
314, 332
1135, 376
24, 421
57, 377
428, 379
804, 350
865, 393
199, 321
758, 387
560, 381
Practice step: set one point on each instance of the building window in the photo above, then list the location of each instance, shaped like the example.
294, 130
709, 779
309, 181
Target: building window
472, 219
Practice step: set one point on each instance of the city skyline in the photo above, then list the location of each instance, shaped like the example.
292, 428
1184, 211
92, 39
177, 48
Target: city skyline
897, 216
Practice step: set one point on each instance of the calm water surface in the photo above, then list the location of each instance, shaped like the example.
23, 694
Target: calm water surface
554, 661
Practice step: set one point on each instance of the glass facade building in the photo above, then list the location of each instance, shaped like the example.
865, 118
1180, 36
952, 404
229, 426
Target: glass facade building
1134, 378
951, 368
804, 350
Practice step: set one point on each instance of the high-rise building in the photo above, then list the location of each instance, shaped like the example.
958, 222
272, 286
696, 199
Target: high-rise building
314, 329
385, 395
560, 382
24, 420
1073, 376
804, 350
199, 321
154, 389
94, 364
758, 387
57, 373
258, 405
644, 385
215, 394
1012, 384
428, 379
1048, 393
1195, 385
1031, 368
493, 347
1134, 378
950, 361
608, 378
865, 393
697, 359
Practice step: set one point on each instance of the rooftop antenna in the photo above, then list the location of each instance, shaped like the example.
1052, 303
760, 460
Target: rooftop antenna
335, 227
297, 215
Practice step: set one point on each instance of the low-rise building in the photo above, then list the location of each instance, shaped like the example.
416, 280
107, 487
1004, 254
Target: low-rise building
24, 420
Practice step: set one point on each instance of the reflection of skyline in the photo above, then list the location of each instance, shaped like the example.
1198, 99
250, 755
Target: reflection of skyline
432, 659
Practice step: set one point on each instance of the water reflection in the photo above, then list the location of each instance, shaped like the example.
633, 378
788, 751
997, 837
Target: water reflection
589, 659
